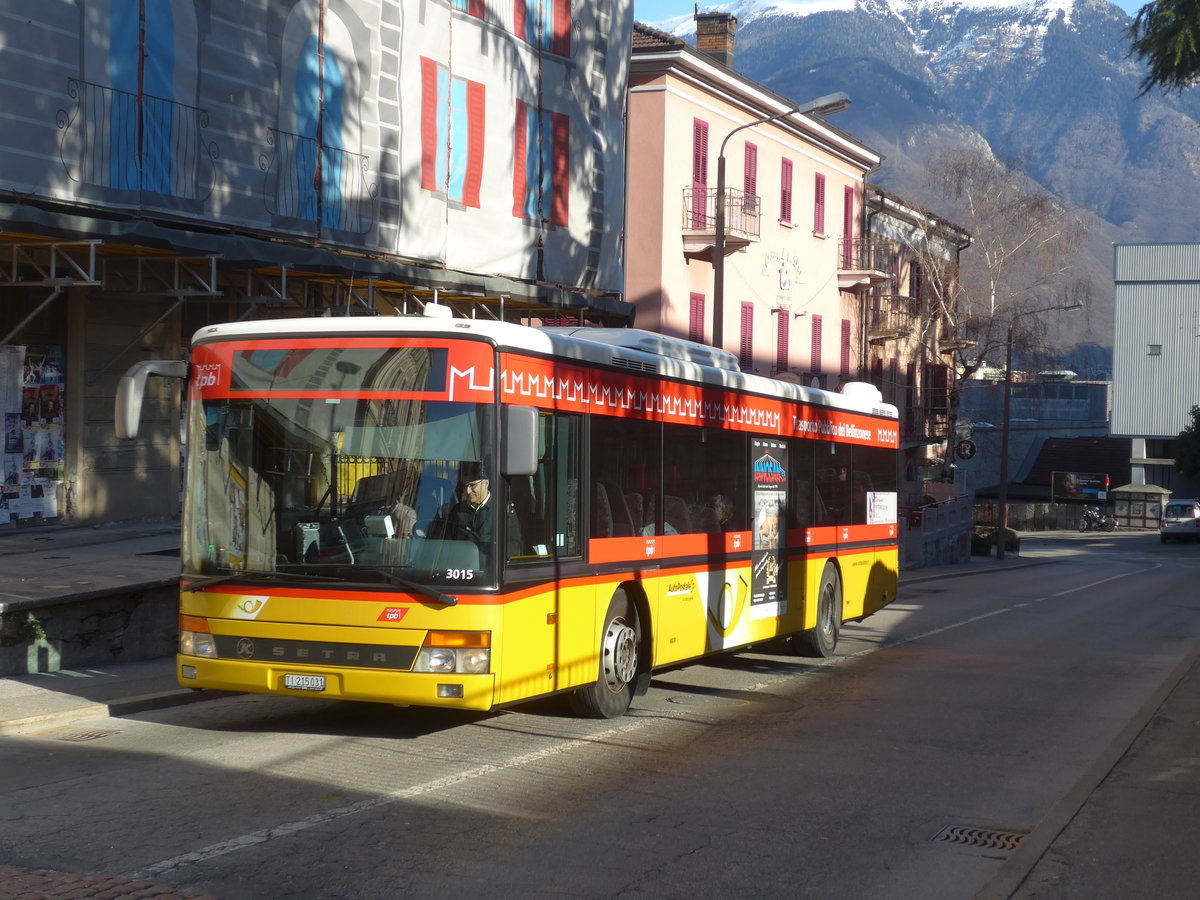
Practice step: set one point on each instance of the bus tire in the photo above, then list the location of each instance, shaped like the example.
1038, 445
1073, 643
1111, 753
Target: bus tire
822, 640
620, 654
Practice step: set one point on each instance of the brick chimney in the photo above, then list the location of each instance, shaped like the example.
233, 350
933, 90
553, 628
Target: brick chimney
714, 36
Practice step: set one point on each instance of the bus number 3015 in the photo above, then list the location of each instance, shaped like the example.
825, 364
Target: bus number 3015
460, 574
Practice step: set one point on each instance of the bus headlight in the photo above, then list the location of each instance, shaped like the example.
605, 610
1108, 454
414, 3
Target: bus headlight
459, 652
194, 643
195, 638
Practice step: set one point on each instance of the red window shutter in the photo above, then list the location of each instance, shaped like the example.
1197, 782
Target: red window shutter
816, 344
747, 347
475, 132
699, 174
785, 191
429, 125
520, 11
819, 204
520, 149
910, 389
560, 180
696, 318
699, 152
561, 43
475, 8
845, 346
750, 181
848, 228
781, 339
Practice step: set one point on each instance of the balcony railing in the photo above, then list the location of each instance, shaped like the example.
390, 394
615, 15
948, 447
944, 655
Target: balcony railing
743, 214
130, 142
338, 194
865, 255
891, 317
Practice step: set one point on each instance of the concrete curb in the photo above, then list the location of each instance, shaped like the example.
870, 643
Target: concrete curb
1013, 872
126, 706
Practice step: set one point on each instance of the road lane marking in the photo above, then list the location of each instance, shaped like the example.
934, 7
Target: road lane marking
1084, 587
286, 829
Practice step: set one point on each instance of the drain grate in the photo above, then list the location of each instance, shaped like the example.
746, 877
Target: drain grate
988, 838
80, 736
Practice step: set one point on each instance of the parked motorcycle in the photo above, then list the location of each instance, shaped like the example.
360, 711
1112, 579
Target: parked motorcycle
1092, 520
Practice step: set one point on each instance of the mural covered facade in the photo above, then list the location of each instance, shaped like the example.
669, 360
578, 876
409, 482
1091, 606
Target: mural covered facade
465, 134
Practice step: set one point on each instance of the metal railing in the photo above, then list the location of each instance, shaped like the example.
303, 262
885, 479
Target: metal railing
336, 192
135, 142
859, 254
892, 316
743, 212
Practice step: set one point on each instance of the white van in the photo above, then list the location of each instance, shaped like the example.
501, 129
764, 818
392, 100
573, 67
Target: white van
1180, 521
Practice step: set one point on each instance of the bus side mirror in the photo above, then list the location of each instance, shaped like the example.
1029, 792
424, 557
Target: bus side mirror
127, 411
519, 440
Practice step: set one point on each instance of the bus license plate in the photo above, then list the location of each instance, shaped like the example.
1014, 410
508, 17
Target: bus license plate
304, 682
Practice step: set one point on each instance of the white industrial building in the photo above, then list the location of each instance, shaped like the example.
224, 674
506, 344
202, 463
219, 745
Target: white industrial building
1156, 356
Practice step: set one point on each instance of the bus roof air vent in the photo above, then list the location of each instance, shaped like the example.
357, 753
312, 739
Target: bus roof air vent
635, 364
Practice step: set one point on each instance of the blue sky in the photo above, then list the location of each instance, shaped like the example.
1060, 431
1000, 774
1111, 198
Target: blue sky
657, 10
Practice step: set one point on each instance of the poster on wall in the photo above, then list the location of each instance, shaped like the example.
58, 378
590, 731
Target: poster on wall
31, 406
768, 473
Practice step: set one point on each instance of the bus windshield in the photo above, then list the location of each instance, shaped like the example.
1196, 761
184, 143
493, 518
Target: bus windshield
346, 464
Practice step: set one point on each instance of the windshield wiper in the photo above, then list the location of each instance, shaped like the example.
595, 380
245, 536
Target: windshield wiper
202, 583
415, 587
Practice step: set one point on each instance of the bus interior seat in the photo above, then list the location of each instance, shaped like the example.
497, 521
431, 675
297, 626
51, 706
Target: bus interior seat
622, 521
602, 518
675, 514
704, 519
633, 503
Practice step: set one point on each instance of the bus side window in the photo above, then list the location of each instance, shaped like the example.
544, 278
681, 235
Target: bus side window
802, 498
624, 477
545, 505
707, 480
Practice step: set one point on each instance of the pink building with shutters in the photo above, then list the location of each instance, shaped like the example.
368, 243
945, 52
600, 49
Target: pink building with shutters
798, 265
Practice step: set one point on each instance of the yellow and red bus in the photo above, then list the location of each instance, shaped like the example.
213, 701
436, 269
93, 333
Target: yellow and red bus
461, 513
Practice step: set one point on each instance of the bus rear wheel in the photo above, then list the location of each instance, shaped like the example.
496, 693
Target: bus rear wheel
822, 640
620, 651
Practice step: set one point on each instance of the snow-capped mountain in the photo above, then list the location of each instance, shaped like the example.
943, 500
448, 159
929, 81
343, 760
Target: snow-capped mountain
1048, 84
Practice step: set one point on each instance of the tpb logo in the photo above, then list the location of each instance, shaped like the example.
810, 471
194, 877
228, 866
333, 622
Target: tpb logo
207, 376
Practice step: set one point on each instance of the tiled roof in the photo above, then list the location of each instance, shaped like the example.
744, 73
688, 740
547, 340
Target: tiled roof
647, 38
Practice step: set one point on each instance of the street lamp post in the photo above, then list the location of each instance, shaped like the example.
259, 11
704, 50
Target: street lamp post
826, 105
1002, 531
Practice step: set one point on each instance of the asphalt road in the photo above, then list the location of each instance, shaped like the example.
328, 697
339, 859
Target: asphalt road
988, 705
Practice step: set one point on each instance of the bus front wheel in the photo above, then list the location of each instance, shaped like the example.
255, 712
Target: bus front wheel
620, 650
822, 640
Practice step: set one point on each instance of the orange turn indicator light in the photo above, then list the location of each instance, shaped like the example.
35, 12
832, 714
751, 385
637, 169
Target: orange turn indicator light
194, 623
477, 639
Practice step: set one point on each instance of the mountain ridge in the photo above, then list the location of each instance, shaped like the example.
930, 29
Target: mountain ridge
1047, 85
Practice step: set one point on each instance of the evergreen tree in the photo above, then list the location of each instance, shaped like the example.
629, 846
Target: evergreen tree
1187, 447
1165, 35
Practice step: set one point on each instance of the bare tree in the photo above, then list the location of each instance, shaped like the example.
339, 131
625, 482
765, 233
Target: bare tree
1016, 271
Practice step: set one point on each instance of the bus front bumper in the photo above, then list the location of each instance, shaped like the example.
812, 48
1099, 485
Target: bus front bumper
367, 685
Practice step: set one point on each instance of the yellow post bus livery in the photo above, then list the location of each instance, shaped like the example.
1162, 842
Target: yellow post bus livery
424, 510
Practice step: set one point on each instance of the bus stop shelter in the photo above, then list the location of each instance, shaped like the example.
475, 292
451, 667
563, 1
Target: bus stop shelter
1138, 505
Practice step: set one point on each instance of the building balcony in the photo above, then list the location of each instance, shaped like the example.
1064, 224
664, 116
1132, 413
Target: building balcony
312, 183
863, 263
118, 141
924, 426
743, 214
891, 317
